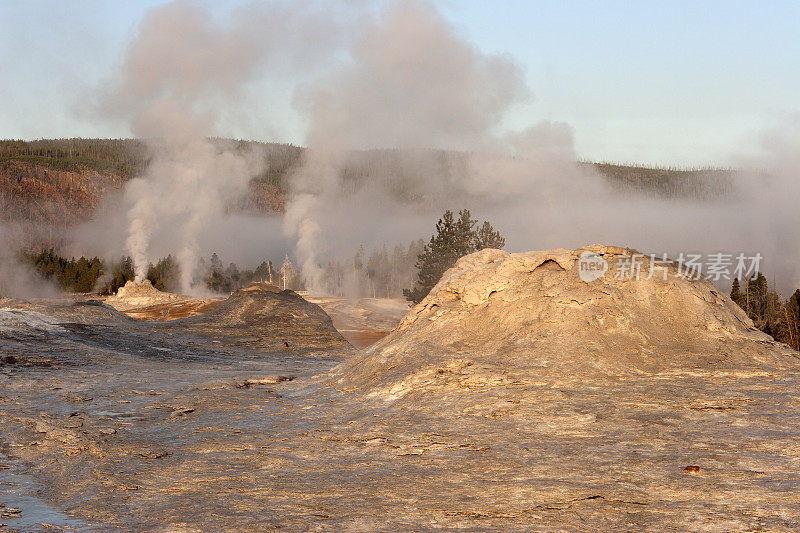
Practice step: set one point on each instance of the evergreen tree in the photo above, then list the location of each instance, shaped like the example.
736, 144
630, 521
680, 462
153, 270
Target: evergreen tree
437, 256
736, 294
487, 237
453, 239
72, 275
262, 272
789, 329
793, 322
165, 274
464, 236
756, 298
216, 280
233, 276
121, 273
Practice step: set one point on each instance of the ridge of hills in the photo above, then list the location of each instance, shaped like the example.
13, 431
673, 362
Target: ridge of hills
62, 181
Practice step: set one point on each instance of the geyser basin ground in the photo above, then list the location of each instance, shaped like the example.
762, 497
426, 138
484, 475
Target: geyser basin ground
153, 427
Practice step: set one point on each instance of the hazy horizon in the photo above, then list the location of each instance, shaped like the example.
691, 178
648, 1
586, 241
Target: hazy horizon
675, 85
665, 88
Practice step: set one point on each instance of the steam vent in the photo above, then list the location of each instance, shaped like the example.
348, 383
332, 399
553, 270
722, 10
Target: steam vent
133, 295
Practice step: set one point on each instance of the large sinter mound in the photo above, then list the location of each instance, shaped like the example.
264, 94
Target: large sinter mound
266, 316
497, 317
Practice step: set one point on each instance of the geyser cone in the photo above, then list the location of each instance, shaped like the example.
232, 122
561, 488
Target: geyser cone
134, 294
262, 315
497, 317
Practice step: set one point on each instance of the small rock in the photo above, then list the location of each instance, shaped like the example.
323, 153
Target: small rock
153, 455
180, 411
266, 380
77, 398
9, 512
692, 469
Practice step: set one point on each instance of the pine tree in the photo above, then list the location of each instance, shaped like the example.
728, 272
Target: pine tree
165, 274
217, 280
121, 273
232, 276
436, 257
792, 318
453, 239
487, 237
756, 297
261, 273
736, 294
464, 237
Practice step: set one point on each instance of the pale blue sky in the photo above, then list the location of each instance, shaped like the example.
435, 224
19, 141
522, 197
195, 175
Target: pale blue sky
666, 82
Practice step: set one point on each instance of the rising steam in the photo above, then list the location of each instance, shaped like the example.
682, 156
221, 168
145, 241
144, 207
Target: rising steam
403, 81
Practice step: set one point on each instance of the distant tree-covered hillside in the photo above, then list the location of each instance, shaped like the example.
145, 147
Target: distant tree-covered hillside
125, 157
129, 157
697, 184
61, 182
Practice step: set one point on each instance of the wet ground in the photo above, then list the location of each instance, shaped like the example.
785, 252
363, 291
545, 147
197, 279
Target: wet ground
360, 338
110, 424
361, 322
174, 311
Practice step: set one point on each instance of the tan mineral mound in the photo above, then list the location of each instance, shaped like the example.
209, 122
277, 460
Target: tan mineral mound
135, 295
266, 316
497, 318
261, 286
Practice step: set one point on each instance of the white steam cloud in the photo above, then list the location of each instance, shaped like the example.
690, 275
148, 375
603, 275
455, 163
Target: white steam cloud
187, 186
18, 278
180, 67
404, 81
412, 83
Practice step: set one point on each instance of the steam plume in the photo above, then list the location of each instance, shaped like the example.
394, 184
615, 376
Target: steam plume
402, 80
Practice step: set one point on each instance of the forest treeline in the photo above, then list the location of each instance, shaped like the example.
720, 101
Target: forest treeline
130, 157
696, 184
769, 312
126, 157
74, 275
105, 277
376, 274
61, 181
